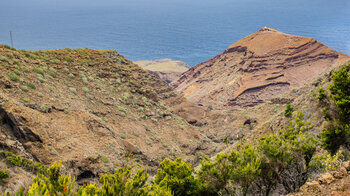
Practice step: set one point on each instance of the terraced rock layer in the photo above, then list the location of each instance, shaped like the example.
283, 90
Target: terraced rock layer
257, 68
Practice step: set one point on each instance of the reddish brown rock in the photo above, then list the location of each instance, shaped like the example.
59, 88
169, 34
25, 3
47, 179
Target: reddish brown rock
257, 68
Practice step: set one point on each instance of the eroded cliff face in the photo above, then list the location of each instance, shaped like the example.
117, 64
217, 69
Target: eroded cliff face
257, 68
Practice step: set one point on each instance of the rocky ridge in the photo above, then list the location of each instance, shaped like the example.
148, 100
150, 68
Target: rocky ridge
88, 108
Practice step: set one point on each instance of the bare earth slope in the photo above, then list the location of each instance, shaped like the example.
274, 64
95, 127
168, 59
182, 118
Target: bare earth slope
165, 69
256, 69
88, 108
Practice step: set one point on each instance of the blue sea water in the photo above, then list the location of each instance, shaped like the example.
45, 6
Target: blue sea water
188, 30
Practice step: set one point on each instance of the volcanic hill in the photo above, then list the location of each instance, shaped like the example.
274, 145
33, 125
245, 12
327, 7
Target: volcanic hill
257, 68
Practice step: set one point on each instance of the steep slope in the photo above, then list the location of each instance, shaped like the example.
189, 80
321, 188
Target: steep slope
88, 108
256, 69
165, 69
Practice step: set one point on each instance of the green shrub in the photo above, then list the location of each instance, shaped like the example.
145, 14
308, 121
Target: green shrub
326, 162
86, 90
9, 55
25, 69
9, 47
24, 88
68, 59
334, 136
13, 77
241, 166
16, 61
27, 100
149, 141
122, 109
5, 64
103, 158
31, 85
178, 176
44, 108
126, 96
30, 55
340, 90
4, 59
24, 163
41, 79
136, 134
122, 135
321, 94
52, 72
85, 80
39, 70
71, 76
122, 182
55, 61
66, 70
89, 96
281, 158
54, 183
286, 155
3, 175
73, 90
289, 111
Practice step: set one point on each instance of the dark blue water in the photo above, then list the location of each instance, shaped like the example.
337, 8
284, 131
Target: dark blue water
189, 30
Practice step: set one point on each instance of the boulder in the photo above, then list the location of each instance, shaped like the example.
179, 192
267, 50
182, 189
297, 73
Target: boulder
326, 178
311, 188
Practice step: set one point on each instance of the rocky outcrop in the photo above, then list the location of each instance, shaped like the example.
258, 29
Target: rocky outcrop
256, 69
332, 183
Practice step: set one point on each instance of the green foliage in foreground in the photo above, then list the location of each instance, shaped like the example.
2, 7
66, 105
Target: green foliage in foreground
122, 182
334, 135
281, 158
178, 176
53, 183
277, 159
337, 132
340, 90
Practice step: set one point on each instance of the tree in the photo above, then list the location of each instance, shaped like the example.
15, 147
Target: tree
52, 184
241, 166
340, 90
179, 177
286, 155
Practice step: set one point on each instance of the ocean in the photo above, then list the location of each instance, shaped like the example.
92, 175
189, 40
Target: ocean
192, 31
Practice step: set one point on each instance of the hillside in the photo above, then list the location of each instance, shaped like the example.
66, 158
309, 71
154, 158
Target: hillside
165, 69
263, 118
256, 69
88, 108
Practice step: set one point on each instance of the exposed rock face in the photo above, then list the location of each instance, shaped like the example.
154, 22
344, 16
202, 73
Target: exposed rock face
257, 68
334, 183
166, 69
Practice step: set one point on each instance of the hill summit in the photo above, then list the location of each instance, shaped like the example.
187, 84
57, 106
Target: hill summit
256, 69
